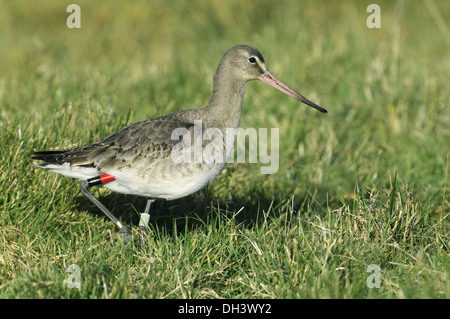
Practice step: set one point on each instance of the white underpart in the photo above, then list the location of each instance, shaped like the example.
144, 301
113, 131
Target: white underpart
129, 183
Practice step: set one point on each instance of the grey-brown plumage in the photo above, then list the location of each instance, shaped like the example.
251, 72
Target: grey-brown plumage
140, 156
147, 140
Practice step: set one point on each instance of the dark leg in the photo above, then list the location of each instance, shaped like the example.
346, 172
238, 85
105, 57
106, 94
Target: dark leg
124, 232
143, 223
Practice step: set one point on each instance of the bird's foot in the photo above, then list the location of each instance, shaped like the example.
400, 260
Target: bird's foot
143, 235
125, 235
143, 229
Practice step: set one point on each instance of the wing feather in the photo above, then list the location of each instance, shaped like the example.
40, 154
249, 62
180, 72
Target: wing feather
149, 140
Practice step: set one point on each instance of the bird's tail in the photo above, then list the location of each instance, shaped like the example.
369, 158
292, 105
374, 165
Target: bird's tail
74, 157
50, 157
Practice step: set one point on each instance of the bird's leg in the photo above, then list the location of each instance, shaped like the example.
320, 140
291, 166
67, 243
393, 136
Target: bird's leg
124, 232
143, 222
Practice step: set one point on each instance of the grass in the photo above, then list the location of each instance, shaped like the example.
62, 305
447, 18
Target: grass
365, 184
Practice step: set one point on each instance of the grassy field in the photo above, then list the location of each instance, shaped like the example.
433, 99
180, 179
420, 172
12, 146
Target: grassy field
365, 184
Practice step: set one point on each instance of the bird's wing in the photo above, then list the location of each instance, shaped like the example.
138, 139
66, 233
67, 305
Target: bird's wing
149, 139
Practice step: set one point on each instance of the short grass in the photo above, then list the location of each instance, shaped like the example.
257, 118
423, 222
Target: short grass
366, 184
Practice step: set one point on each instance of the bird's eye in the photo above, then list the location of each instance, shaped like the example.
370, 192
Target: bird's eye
252, 60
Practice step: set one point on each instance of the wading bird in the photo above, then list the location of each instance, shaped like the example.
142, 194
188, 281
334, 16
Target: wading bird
139, 159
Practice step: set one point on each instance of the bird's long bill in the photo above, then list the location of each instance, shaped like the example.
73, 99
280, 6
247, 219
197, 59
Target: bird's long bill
272, 80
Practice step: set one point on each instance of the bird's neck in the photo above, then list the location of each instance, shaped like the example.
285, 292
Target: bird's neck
225, 105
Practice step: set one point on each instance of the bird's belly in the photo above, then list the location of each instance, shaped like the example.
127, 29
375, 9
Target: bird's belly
164, 182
